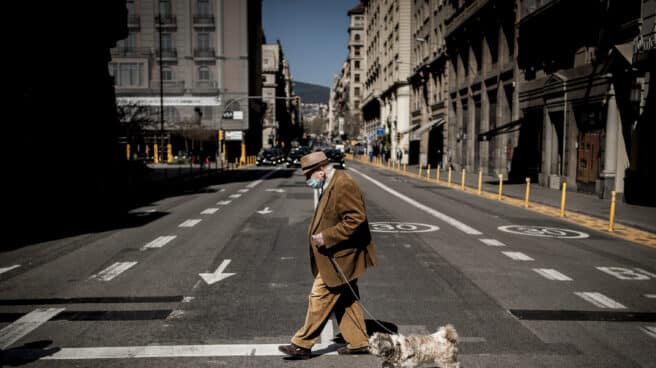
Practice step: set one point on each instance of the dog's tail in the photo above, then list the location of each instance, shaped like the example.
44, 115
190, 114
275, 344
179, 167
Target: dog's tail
448, 332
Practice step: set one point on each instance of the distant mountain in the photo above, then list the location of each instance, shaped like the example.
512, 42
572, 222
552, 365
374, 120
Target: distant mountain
311, 93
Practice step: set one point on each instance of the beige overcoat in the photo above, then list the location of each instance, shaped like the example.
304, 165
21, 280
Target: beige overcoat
342, 219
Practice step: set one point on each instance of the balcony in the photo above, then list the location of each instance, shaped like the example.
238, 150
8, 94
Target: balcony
166, 21
130, 52
172, 87
205, 53
134, 22
210, 87
463, 14
168, 54
203, 21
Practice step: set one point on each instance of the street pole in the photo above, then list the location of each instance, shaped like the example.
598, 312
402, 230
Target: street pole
161, 82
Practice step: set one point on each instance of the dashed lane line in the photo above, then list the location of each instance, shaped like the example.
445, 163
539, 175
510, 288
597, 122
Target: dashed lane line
518, 256
492, 242
209, 211
159, 242
7, 269
223, 203
649, 330
234, 196
551, 274
112, 271
190, 223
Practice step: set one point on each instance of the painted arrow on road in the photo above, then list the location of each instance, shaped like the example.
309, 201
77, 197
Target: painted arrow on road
278, 190
218, 275
265, 211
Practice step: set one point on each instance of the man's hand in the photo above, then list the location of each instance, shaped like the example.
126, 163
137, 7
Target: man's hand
319, 239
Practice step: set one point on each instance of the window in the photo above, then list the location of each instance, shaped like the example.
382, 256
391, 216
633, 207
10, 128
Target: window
203, 41
357, 64
356, 91
127, 74
204, 73
130, 6
356, 104
356, 37
357, 51
203, 7
165, 8
167, 41
130, 42
167, 73
357, 77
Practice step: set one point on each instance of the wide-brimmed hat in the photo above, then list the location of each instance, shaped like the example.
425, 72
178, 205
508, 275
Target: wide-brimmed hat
312, 161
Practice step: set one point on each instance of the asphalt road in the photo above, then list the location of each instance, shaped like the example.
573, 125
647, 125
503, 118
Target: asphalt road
522, 289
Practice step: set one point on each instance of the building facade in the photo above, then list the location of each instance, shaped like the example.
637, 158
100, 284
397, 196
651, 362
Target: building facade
197, 59
386, 102
429, 99
580, 97
277, 91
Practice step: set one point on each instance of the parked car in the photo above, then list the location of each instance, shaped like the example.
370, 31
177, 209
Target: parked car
336, 157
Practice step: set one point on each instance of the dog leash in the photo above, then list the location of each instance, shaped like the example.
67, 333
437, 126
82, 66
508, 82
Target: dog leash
355, 295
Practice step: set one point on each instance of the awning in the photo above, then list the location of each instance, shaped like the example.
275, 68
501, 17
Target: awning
626, 50
503, 129
433, 124
411, 128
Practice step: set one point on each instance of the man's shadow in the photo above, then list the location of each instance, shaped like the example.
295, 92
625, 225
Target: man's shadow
27, 353
373, 326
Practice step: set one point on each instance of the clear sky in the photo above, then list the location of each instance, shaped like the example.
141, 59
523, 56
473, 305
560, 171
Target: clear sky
313, 34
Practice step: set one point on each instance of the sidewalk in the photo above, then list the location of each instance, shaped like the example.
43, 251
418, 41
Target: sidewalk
639, 217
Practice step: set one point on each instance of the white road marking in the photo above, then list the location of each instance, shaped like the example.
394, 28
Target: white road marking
223, 203
190, 223
159, 242
265, 211
278, 190
171, 351
600, 300
492, 242
327, 333
218, 275
551, 274
26, 324
243, 190
257, 182
209, 211
234, 195
448, 219
7, 269
649, 330
112, 271
188, 299
650, 296
623, 273
518, 256
646, 272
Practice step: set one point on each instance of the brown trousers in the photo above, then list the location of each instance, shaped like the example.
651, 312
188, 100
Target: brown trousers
324, 300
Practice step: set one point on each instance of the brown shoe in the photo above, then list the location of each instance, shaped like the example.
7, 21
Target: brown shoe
295, 351
346, 351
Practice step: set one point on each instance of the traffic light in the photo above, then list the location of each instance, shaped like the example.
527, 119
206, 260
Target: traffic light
220, 135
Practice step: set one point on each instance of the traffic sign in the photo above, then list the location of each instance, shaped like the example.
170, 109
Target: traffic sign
380, 131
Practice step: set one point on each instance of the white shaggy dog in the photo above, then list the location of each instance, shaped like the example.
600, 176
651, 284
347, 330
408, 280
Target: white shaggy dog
400, 351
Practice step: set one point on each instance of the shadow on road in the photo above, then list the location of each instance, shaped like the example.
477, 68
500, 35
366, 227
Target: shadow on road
27, 353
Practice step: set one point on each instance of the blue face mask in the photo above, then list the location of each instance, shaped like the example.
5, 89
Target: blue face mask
314, 183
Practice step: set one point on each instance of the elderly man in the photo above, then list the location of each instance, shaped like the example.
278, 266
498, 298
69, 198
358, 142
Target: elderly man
341, 250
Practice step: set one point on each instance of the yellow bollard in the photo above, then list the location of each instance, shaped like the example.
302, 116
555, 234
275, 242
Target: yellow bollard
562, 200
428, 172
528, 192
611, 222
449, 181
127, 151
419, 174
437, 177
480, 182
169, 153
500, 186
155, 154
462, 180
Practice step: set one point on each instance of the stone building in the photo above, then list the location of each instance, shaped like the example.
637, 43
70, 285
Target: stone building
277, 92
204, 57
